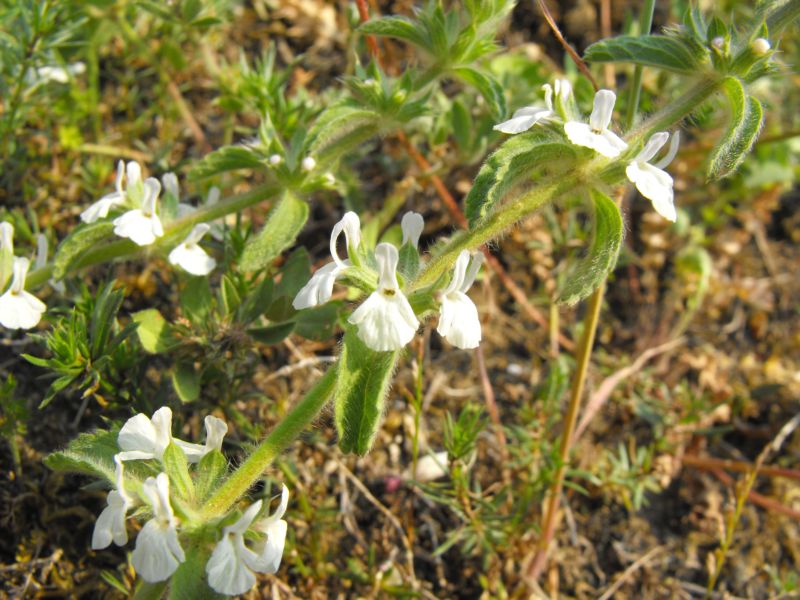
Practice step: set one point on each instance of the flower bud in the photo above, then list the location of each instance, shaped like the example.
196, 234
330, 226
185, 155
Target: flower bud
308, 164
760, 46
718, 42
275, 160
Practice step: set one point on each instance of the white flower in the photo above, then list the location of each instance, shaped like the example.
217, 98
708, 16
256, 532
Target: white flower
274, 527
385, 320
320, 287
142, 438
142, 225
652, 182
158, 551
308, 163
595, 134
458, 316
232, 566
20, 309
190, 256
99, 209
412, 225
276, 159
110, 525
528, 116
215, 432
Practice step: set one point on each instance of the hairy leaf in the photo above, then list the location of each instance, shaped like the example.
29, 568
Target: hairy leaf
401, 28
362, 382
670, 53
280, 232
511, 164
76, 243
227, 158
592, 270
340, 129
487, 86
89, 453
747, 116
177, 469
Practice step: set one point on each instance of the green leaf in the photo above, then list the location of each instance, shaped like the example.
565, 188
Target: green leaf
210, 472
231, 299
104, 318
227, 158
258, 301
177, 469
670, 53
150, 591
515, 162
76, 243
196, 299
186, 382
602, 257
273, 333
153, 330
362, 381
89, 453
340, 129
401, 28
294, 274
285, 223
487, 86
747, 116
317, 323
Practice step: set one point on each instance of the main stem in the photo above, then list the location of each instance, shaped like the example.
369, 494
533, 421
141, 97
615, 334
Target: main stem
583, 357
284, 434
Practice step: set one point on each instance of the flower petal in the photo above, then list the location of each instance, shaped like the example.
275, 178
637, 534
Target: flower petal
192, 259
385, 322
523, 119
226, 572
412, 225
138, 436
319, 288
655, 185
602, 110
154, 557
459, 322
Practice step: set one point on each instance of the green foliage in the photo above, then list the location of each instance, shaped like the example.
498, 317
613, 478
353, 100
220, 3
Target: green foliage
593, 269
516, 162
282, 228
227, 158
671, 53
746, 119
363, 379
453, 42
89, 453
461, 435
89, 349
177, 469
13, 418
82, 239
630, 474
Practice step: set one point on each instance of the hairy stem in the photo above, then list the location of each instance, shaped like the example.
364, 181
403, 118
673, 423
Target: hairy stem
284, 434
173, 231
